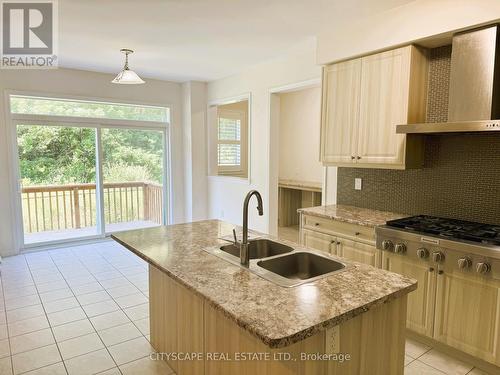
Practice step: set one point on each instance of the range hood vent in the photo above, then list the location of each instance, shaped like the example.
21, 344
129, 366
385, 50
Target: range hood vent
474, 100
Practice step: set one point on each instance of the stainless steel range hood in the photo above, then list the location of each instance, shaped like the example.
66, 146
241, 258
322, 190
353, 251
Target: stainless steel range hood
474, 100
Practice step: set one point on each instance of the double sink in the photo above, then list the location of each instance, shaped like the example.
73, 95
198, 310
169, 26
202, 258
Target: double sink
280, 263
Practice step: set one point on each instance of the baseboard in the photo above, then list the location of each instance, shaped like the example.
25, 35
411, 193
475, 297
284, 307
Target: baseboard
479, 363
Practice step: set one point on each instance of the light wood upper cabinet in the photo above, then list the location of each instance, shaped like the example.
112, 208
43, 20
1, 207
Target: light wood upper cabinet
384, 104
340, 106
468, 314
420, 310
363, 101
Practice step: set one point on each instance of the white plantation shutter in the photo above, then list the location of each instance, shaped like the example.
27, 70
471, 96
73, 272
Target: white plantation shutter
229, 141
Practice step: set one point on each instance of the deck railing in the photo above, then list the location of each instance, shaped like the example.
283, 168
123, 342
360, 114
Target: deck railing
60, 207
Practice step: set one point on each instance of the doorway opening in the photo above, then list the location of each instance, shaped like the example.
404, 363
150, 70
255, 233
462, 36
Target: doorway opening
295, 115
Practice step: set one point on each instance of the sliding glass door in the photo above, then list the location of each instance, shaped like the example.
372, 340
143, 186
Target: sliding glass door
57, 166
59, 184
88, 177
133, 175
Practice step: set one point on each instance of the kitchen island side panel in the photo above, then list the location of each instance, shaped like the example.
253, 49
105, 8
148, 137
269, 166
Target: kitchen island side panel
182, 322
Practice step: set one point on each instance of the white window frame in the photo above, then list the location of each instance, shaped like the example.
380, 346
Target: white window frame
14, 119
213, 141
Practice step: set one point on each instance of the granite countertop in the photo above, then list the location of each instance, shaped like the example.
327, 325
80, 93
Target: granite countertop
297, 184
352, 214
278, 316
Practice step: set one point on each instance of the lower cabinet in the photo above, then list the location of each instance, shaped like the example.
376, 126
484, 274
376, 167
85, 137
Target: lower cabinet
468, 314
457, 308
319, 241
358, 252
420, 310
341, 246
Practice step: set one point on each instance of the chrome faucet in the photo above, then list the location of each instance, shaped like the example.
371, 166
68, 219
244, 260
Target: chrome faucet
244, 254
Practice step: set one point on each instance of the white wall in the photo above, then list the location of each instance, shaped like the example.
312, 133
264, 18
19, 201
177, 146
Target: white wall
300, 118
90, 85
414, 21
194, 118
225, 195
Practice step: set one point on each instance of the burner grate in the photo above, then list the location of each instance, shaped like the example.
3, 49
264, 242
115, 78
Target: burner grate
450, 228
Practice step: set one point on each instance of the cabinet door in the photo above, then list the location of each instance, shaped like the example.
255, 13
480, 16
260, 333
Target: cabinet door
358, 252
341, 85
468, 314
319, 241
420, 310
385, 82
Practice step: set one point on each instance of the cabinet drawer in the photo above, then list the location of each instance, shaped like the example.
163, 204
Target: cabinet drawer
352, 231
359, 252
319, 241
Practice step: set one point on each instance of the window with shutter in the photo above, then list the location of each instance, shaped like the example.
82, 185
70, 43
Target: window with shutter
229, 140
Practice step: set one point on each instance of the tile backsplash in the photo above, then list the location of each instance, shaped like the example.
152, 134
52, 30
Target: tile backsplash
461, 174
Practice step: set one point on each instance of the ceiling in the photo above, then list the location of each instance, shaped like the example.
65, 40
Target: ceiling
183, 40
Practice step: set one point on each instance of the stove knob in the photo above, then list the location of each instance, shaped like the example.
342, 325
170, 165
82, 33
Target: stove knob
437, 256
400, 248
387, 245
483, 267
423, 253
464, 263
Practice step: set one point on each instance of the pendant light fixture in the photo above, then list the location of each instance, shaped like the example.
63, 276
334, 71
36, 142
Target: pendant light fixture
127, 76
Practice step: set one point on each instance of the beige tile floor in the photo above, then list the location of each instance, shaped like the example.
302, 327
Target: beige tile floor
79, 310
84, 310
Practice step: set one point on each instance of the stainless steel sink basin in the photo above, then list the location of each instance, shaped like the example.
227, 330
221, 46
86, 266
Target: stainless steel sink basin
259, 248
281, 264
301, 265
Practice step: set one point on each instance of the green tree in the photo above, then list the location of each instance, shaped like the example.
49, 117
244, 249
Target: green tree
61, 155
56, 155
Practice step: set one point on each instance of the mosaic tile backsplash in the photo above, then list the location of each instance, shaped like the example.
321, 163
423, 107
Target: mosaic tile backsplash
461, 174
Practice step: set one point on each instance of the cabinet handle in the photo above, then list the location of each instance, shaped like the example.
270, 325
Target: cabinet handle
316, 224
339, 243
431, 269
353, 157
358, 157
357, 233
440, 272
332, 242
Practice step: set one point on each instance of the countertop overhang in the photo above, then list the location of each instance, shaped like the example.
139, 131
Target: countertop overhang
276, 315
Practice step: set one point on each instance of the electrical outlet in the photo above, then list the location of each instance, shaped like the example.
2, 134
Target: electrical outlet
358, 183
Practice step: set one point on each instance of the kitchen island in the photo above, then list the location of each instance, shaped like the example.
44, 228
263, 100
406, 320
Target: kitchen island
210, 316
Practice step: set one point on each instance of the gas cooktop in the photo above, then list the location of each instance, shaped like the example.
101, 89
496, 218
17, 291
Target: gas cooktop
450, 228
